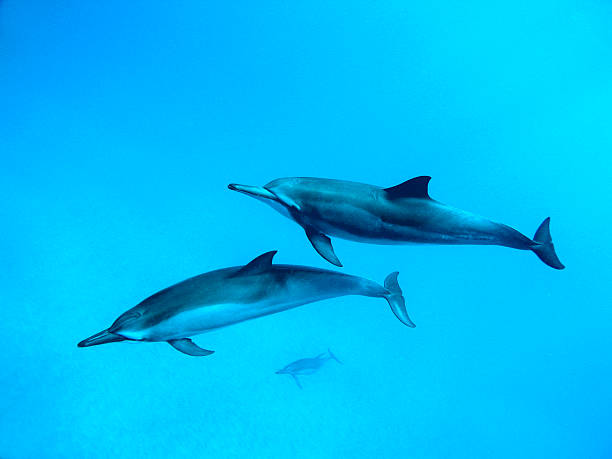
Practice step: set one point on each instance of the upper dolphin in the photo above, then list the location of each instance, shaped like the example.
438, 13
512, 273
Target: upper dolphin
400, 214
231, 295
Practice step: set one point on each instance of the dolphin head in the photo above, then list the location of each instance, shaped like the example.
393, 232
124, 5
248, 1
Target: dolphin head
277, 193
282, 371
122, 329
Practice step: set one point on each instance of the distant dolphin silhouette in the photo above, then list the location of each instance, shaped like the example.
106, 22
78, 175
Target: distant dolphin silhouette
228, 296
397, 215
307, 366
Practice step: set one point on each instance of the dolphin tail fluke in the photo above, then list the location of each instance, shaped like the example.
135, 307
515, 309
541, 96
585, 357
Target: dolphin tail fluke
545, 250
101, 338
332, 356
396, 300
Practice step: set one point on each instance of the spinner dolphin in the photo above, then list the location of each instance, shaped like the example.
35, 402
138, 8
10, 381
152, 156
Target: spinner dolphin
401, 214
227, 296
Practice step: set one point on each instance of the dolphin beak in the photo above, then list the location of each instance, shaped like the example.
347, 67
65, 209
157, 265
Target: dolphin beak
255, 191
101, 338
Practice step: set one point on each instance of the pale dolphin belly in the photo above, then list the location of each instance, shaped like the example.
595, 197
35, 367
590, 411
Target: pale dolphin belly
306, 371
398, 234
209, 317
305, 366
201, 319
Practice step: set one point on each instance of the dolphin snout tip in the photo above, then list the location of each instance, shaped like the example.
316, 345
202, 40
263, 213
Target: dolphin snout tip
102, 337
252, 190
248, 189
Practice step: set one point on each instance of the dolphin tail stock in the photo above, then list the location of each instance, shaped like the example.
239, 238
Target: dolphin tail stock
396, 300
544, 248
102, 337
332, 356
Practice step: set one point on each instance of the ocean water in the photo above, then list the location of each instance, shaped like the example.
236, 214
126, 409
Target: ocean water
121, 125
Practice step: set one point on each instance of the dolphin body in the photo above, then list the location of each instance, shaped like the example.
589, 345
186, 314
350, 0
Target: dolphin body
307, 366
228, 296
401, 214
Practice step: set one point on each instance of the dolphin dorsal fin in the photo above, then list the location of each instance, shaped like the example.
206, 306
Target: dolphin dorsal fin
414, 188
260, 264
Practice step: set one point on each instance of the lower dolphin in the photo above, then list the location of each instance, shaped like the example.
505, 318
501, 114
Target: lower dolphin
307, 366
227, 296
397, 215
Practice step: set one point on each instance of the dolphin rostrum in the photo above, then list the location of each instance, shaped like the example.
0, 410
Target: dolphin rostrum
231, 295
307, 366
397, 215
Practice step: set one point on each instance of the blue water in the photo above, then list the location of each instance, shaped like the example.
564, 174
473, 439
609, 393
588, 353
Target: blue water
121, 125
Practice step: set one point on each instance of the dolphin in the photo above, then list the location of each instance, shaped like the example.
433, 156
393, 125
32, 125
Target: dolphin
307, 366
227, 296
401, 214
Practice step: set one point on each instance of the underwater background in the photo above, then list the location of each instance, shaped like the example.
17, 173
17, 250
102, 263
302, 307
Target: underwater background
121, 125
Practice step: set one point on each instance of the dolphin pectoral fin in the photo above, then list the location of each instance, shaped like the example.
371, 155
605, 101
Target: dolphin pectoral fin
322, 244
297, 381
186, 346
